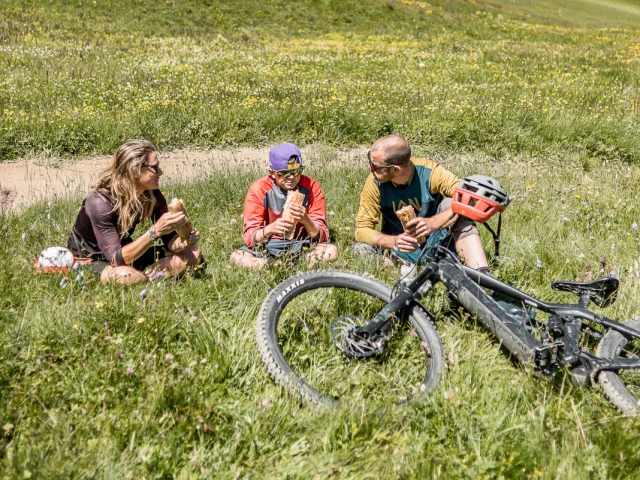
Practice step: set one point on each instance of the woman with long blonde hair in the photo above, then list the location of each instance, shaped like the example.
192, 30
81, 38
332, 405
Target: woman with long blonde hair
125, 194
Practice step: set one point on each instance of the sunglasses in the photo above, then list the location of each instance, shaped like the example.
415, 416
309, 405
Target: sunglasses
291, 172
373, 167
155, 167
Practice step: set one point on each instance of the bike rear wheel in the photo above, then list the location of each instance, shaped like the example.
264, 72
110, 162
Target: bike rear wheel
295, 342
622, 388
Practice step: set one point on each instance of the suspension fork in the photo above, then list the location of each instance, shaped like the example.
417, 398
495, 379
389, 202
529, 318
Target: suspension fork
406, 294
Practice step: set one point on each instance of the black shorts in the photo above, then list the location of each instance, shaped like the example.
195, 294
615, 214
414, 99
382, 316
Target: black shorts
148, 258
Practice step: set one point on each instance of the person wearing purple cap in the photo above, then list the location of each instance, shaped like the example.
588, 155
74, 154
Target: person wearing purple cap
265, 229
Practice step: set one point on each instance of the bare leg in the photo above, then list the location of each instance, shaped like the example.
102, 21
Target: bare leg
124, 275
175, 264
471, 252
247, 260
323, 253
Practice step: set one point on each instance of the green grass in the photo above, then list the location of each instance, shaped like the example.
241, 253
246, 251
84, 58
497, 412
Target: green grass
70, 409
497, 77
543, 95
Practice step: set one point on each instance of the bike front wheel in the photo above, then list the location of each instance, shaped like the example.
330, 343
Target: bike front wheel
296, 345
622, 388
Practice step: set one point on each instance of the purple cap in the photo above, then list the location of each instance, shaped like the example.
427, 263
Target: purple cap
284, 157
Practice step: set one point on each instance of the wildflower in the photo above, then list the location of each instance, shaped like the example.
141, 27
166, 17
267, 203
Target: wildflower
233, 221
634, 227
120, 355
75, 326
266, 403
143, 294
99, 305
193, 319
538, 264
168, 357
141, 320
414, 334
130, 370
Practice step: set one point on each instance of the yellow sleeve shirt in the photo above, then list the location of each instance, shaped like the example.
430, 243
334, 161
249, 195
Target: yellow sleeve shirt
429, 184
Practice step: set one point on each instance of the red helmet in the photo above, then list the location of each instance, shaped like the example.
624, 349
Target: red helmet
479, 198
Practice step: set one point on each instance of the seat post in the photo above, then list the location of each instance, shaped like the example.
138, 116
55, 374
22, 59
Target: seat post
584, 300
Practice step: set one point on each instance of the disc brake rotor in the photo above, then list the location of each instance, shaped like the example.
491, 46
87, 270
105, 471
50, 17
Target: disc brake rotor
343, 333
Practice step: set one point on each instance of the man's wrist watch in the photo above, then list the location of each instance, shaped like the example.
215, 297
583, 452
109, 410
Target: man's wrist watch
153, 235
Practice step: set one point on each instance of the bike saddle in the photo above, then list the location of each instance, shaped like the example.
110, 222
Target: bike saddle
602, 292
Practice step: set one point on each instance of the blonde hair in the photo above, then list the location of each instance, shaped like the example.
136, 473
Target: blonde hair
119, 181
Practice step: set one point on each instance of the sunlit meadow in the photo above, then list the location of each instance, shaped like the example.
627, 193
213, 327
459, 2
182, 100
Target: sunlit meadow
80, 78
165, 380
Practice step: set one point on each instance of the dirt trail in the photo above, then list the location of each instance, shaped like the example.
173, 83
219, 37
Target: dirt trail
26, 182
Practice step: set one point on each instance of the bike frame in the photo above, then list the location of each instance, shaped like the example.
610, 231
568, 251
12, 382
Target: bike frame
467, 287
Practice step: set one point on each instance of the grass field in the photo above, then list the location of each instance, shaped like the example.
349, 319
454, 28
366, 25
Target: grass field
198, 401
165, 380
497, 77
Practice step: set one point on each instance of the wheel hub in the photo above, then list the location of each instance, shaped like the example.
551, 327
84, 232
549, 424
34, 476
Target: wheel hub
345, 335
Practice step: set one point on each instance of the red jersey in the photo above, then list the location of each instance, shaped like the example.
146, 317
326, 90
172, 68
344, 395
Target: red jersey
264, 203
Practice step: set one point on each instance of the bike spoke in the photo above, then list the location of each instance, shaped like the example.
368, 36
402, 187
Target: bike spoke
307, 345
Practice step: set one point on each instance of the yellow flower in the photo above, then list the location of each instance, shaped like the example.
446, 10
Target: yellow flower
141, 320
75, 326
99, 304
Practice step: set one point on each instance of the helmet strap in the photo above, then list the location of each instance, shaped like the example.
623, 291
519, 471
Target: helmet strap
496, 236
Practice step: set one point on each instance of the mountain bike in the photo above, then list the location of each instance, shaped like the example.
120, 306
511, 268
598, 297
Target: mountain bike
331, 336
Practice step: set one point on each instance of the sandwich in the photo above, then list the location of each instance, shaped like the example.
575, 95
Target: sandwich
405, 214
294, 197
177, 206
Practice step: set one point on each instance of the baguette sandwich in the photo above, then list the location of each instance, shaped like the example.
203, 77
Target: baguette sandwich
405, 214
294, 197
177, 206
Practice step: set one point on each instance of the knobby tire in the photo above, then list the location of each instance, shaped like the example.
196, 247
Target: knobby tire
621, 388
276, 302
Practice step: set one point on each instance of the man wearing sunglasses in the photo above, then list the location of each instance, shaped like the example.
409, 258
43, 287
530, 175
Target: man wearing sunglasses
398, 180
265, 228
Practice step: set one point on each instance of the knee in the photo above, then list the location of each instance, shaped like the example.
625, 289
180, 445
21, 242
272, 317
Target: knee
362, 249
237, 257
330, 252
124, 275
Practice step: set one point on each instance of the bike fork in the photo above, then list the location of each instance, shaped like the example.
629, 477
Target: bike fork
406, 294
